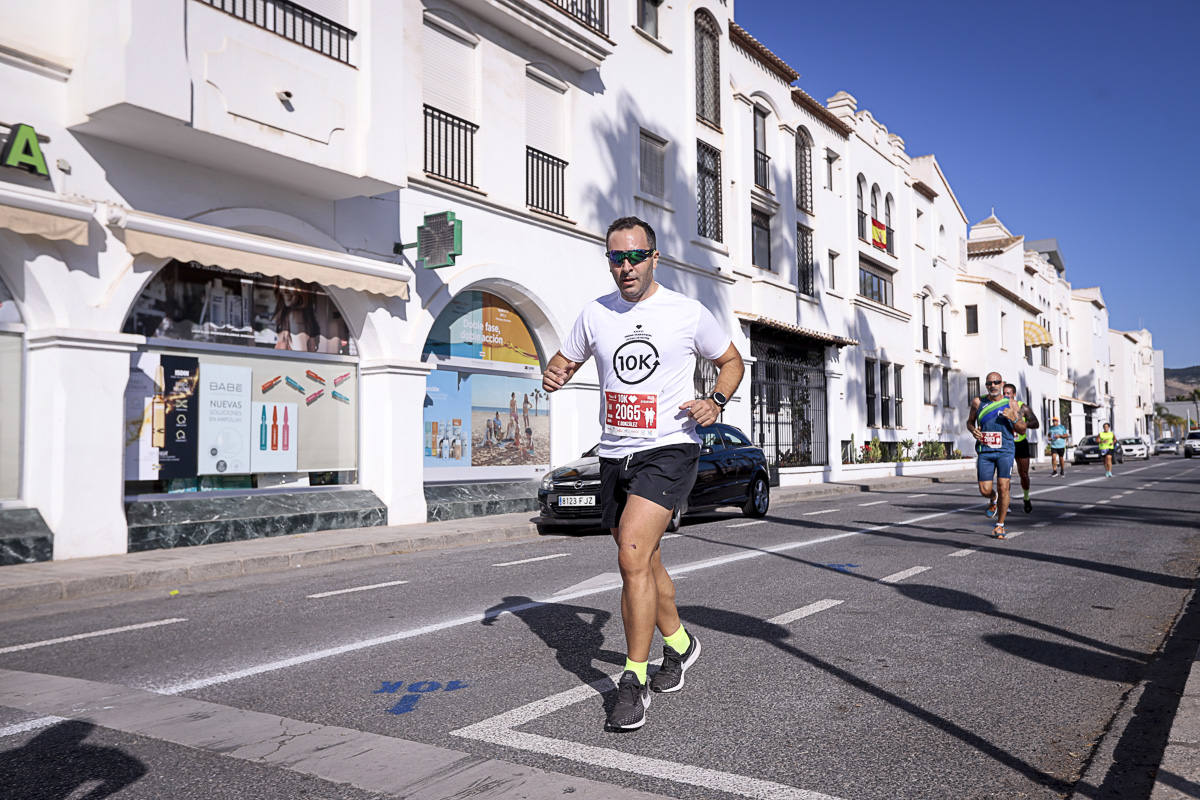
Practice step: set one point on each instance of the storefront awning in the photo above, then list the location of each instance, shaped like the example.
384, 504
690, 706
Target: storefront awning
166, 237
811, 333
33, 212
1037, 336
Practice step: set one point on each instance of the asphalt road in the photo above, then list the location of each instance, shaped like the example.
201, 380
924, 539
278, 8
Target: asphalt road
880, 645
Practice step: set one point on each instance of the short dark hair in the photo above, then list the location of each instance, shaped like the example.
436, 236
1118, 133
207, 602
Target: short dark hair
1012, 386
624, 223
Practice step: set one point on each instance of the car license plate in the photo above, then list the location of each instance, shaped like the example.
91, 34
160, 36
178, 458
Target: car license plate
577, 500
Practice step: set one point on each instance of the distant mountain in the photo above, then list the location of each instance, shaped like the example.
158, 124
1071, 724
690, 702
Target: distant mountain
1181, 381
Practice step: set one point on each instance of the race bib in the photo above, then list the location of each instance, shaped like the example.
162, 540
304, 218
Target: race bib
993, 439
631, 414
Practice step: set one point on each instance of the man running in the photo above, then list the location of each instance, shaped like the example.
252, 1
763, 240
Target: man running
645, 339
992, 422
1023, 449
1108, 443
1058, 447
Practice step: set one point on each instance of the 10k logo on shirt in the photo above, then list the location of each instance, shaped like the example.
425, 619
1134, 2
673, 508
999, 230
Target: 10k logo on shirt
635, 360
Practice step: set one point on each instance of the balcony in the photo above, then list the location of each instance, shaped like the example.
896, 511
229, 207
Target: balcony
263, 87
545, 182
450, 147
762, 170
592, 13
573, 31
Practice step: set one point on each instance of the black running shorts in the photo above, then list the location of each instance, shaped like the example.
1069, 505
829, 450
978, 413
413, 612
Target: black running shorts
663, 475
1024, 449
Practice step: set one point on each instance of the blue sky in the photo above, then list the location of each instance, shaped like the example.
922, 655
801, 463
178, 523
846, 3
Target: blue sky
1074, 121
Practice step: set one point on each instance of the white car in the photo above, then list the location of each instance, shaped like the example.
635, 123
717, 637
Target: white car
1191, 444
1134, 447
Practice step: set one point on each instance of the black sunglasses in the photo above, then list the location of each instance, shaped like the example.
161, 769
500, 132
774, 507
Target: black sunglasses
993, 383
616, 257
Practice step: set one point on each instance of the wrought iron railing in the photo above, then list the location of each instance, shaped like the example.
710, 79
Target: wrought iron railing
924, 337
709, 214
787, 402
545, 182
762, 170
449, 146
592, 13
945, 344
293, 22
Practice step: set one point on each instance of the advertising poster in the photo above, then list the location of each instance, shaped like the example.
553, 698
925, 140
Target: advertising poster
276, 435
224, 419
510, 421
447, 417
482, 326
144, 400
325, 400
177, 441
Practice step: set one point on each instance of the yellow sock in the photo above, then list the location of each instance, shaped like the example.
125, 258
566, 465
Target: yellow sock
637, 668
679, 640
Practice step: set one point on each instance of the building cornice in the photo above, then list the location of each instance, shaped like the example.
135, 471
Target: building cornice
761, 53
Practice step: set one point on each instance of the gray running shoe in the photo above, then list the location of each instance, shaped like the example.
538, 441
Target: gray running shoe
669, 677
633, 699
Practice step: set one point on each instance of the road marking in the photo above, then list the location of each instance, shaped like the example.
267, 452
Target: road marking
915, 496
747, 524
602, 582
1089, 505
1067, 515
877, 502
670, 536
822, 511
1102, 502
1042, 524
353, 589
336, 754
966, 551
805, 611
531, 560
896, 577
1012, 534
106, 632
500, 730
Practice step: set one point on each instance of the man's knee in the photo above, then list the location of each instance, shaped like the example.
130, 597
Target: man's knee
633, 559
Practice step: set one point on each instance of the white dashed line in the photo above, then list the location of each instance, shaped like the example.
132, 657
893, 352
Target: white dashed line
1089, 505
531, 560
1102, 502
915, 496
354, 589
899, 576
1067, 515
1012, 534
671, 535
1042, 524
823, 511
746, 524
877, 502
806, 611
964, 552
106, 632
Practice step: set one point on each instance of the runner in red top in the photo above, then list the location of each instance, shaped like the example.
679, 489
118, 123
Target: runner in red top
646, 339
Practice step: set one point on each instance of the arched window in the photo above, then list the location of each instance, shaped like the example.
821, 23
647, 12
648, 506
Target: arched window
708, 68
804, 191
887, 223
875, 201
862, 214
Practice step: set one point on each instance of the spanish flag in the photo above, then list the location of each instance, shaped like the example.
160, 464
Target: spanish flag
878, 234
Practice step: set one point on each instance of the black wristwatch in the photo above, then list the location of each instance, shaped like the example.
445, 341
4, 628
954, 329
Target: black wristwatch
718, 398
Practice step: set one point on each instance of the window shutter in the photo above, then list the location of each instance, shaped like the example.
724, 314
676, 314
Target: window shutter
543, 117
653, 165
449, 66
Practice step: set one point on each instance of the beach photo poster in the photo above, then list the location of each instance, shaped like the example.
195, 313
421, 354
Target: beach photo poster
447, 419
510, 422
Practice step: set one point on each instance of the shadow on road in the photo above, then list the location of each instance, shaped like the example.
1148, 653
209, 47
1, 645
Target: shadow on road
57, 764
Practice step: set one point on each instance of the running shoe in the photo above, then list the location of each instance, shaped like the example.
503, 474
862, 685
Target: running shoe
991, 511
633, 699
1028, 505
998, 531
669, 677
1108, 474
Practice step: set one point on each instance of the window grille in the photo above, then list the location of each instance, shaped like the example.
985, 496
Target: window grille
787, 399
804, 192
885, 399
760, 234
545, 182
927, 379
652, 160
449, 146
708, 68
805, 269
946, 388
869, 382
899, 396
708, 191
972, 388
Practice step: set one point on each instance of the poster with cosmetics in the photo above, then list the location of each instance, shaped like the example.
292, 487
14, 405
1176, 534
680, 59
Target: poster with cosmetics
160, 417
224, 420
276, 427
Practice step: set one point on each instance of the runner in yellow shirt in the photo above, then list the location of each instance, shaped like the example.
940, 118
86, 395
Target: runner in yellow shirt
1108, 442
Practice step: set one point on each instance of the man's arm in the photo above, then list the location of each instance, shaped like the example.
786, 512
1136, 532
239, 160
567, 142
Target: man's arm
1031, 420
558, 372
730, 370
972, 428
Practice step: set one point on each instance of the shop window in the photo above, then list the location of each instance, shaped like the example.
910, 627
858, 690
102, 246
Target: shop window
11, 391
485, 413
194, 303
245, 382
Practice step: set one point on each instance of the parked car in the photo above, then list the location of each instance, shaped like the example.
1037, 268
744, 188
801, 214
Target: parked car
1134, 447
731, 472
1088, 450
1166, 445
1191, 444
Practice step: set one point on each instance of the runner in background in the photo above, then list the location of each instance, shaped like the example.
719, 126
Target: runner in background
646, 339
1108, 443
1023, 447
1058, 447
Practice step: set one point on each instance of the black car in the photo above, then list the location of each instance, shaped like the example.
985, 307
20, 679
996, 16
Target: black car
1088, 450
731, 472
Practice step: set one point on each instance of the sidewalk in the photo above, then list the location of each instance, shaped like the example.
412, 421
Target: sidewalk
25, 585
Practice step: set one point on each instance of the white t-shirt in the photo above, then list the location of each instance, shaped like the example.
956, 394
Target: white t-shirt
646, 356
